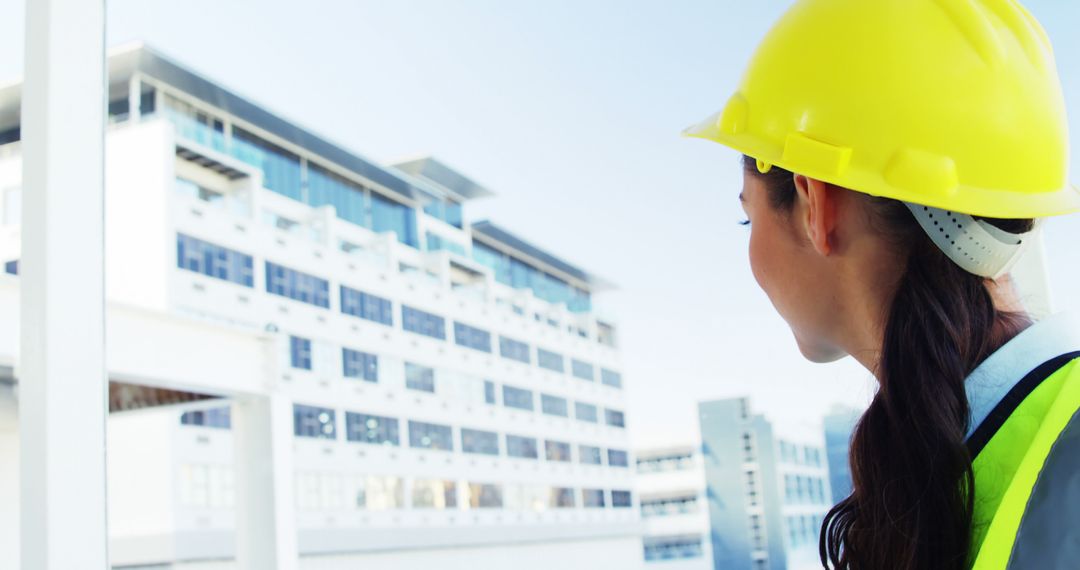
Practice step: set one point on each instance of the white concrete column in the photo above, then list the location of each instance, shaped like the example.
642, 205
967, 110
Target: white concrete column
61, 371
134, 98
265, 516
9, 478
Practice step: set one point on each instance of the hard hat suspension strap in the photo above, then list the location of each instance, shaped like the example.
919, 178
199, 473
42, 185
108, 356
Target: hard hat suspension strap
977, 246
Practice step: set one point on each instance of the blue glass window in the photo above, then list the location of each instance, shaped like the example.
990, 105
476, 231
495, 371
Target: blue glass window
280, 168
420, 378
557, 451
550, 360
611, 378
430, 436
617, 458
366, 306
517, 446
472, 337
346, 196
478, 441
554, 405
422, 322
621, 499
517, 398
489, 392
387, 215
300, 353
592, 498
436, 242
297, 286
585, 412
589, 455
614, 418
448, 211
366, 428
220, 418
498, 261
213, 260
312, 421
357, 364
582, 370
514, 350
12, 267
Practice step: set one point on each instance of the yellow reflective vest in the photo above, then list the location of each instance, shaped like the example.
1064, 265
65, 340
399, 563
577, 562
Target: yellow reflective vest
1027, 473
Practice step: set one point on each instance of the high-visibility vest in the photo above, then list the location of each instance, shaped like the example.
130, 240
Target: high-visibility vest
1027, 473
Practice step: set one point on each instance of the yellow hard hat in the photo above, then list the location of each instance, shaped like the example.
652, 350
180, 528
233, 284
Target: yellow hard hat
953, 104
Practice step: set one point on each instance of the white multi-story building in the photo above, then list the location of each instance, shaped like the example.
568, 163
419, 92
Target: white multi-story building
365, 374
671, 490
767, 492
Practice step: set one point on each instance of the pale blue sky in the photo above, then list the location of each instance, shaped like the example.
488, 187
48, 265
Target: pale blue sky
571, 112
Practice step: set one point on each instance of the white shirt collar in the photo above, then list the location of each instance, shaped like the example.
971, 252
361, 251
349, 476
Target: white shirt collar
991, 381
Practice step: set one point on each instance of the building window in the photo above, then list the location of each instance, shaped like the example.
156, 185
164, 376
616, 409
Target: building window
585, 412
610, 378
376, 493
347, 197
192, 189
472, 337
430, 436
420, 378
421, 322
434, 494
582, 370
366, 428
592, 498
748, 446
366, 306
311, 421
553, 405
481, 442
280, 168
550, 360
485, 496
489, 392
388, 215
213, 260
517, 398
589, 455
498, 261
676, 548
11, 267
297, 286
514, 350
614, 418
357, 364
561, 498
617, 458
300, 353
621, 499
557, 451
220, 418
517, 446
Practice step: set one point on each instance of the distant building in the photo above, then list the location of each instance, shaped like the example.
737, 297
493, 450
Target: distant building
839, 425
767, 492
671, 491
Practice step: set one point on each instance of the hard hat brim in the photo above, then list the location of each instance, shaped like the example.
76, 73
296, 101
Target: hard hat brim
978, 201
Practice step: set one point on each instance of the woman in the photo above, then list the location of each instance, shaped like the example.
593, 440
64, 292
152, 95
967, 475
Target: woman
897, 156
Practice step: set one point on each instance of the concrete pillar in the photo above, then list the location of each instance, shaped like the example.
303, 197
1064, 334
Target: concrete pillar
61, 371
134, 99
265, 516
9, 477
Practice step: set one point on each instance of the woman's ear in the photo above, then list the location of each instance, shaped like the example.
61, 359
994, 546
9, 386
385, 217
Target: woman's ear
818, 212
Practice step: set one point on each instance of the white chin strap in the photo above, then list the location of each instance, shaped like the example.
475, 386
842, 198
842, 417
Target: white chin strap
975, 245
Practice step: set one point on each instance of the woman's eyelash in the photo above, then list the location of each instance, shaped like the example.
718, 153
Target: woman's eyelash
744, 223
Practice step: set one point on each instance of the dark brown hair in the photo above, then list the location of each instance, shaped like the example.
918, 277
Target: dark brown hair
913, 486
